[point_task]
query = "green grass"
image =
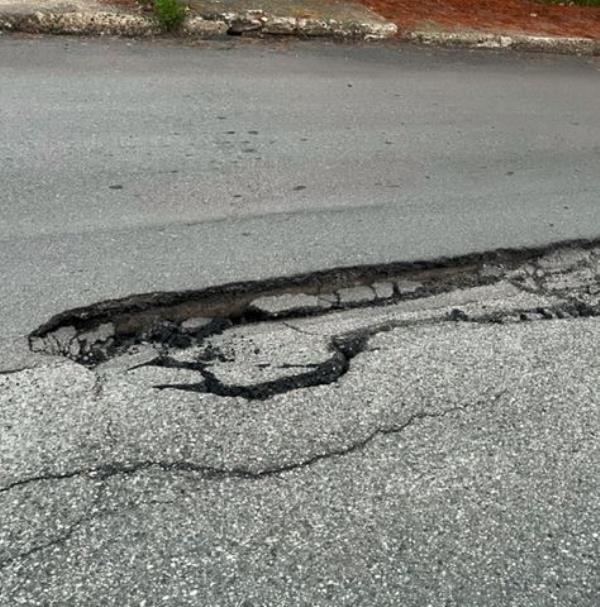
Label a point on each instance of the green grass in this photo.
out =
(170, 13)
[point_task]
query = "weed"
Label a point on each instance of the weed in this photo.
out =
(170, 13)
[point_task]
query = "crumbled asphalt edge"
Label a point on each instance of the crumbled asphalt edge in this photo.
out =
(167, 334)
(156, 318)
(100, 474)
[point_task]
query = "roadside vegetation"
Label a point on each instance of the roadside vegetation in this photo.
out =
(170, 13)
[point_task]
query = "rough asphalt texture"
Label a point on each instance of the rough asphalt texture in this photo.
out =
(453, 463)
(128, 168)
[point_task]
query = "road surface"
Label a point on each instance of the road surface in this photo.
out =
(135, 167)
(400, 435)
(419, 450)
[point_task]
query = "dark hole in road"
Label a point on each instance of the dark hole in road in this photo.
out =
(180, 320)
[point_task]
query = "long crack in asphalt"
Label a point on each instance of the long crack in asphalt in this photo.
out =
(101, 474)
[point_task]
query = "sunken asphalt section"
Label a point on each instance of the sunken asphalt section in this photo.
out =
(424, 437)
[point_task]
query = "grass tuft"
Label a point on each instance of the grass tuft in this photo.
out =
(170, 13)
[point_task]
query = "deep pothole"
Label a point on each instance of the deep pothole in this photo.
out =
(203, 340)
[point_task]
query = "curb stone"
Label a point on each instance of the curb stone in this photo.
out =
(90, 22)
(212, 24)
(220, 23)
(263, 22)
(548, 44)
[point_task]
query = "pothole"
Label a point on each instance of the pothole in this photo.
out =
(214, 340)
(97, 333)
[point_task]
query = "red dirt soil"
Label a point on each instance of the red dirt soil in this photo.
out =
(499, 16)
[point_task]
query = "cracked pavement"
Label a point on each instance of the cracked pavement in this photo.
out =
(388, 410)
(452, 459)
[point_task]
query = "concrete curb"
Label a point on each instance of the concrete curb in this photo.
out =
(214, 24)
(220, 23)
(92, 22)
(547, 44)
(262, 22)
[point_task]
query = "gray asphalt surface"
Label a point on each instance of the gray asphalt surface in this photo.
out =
(446, 464)
(454, 464)
(133, 167)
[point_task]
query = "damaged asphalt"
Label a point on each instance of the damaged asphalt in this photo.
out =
(343, 425)
(457, 464)
(454, 462)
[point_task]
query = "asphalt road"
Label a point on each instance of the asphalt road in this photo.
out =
(432, 448)
(449, 464)
(129, 167)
